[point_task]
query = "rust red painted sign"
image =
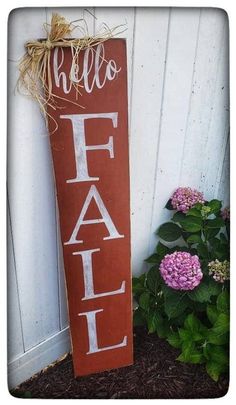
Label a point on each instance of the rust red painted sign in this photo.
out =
(90, 156)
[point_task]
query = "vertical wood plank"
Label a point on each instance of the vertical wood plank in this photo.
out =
(61, 276)
(207, 115)
(14, 327)
(71, 14)
(215, 151)
(183, 34)
(32, 206)
(223, 193)
(148, 73)
(24, 24)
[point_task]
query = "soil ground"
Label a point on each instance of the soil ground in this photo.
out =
(154, 374)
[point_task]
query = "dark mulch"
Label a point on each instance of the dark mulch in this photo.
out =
(155, 374)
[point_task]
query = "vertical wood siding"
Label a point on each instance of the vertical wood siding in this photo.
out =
(179, 135)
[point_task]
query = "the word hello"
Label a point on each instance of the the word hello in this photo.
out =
(89, 74)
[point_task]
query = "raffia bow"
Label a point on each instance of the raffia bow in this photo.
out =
(34, 67)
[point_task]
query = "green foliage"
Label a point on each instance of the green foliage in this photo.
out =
(169, 232)
(196, 322)
(168, 205)
(205, 291)
(175, 305)
(223, 302)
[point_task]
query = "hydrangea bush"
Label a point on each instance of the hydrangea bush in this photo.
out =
(184, 295)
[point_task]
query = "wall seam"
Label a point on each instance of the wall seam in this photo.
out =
(15, 271)
(132, 71)
(190, 99)
(159, 130)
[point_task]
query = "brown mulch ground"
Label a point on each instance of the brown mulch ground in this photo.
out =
(155, 374)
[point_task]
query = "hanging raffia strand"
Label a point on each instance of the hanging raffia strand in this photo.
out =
(35, 73)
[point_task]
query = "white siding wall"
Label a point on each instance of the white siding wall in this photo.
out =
(179, 135)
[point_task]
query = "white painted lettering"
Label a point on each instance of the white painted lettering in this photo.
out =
(106, 219)
(89, 293)
(92, 334)
(80, 146)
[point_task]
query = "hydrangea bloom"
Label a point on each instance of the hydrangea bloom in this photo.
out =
(225, 213)
(181, 270)
(219, 270)
(185, 197)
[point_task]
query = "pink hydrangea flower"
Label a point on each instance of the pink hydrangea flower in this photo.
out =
(225, 213)
(185, 197)
(181, 270)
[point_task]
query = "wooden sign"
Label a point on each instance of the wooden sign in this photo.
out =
(90, 156)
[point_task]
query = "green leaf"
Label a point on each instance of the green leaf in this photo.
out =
(223, 302)
(174, 340)
(185, 335)
(215, 370)
(223, 238)
(211, 233)
(192, 323)
(218, 354)
(139, 317)
(197, 337)
(190, 354)
(161, 250)
(205, 351)
(221, 325)
(212, 313)
(156, 323)
(191, 223)
(195, 238)
(179, 320)
(215, 223)
(194, 212)
(202, 250)
(196, 358)
(144, 300)
(222, 252)
(200, 293)
(198, 206)
(205, 291)
(214, 288)
(137, 286)
(182, 358)
(216, 339)
(175, 305)
(227, 225)
(189, 336)
(163, 329)
(153, 278)
(215, 243)
(178, 217)
(168, 205)
(152, 321)
(152, 259)
(187, 347)
(169, 232)
(215, 206)
(142, 279)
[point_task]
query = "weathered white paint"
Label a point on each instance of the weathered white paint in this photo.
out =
(38, 357)
(179, 135)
